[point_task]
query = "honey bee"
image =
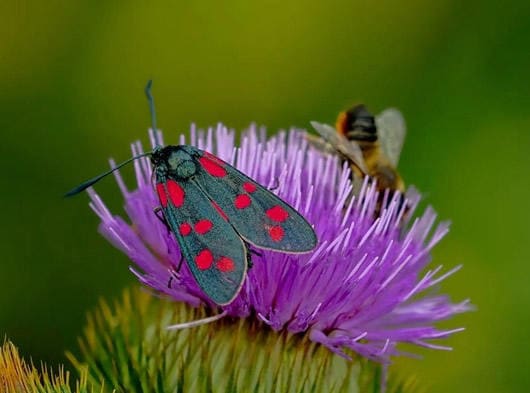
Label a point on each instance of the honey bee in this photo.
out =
(372, 145)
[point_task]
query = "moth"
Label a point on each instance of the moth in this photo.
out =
(215, 212)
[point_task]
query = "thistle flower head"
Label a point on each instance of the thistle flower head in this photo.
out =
(365, 288)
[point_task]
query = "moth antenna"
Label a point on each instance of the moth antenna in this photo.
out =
(198, 322)
(152, 110)
(83, 186)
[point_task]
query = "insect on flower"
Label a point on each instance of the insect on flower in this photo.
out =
(371, 145)
(215, 212)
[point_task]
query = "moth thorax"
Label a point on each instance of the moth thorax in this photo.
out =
(181, 164)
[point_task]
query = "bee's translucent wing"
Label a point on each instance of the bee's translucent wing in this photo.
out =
(338, 142)
(391, 130)
(320, 144)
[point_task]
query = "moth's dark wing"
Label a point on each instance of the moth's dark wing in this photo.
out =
(259, 216)
(391, 130)
(349, 149)
(214, 252)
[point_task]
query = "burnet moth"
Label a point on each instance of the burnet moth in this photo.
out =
(215, 212)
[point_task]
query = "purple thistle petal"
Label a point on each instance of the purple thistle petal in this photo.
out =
(359, 289)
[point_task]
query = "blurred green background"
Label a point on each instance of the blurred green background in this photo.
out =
(71, 96)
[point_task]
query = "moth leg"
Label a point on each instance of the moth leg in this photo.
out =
(153, 179)
(174, 272)
(157, 211)
(276, 184)
(161, 217)
(259, 254)
(250, 251)
(249, 261)
(170, 280)
(180, 263)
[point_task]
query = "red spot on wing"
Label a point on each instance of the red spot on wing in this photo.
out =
(161, 191)
(220, 211)
(277, 213)
(242, 201)
(204, 259)
(176, 193)
(203, 226)
(249, 187)
(276, 233)
(225, 264)
(215, 159)
(185, 229)
(212, 167)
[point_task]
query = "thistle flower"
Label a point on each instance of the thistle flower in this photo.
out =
(126, 347)
(363, 289)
